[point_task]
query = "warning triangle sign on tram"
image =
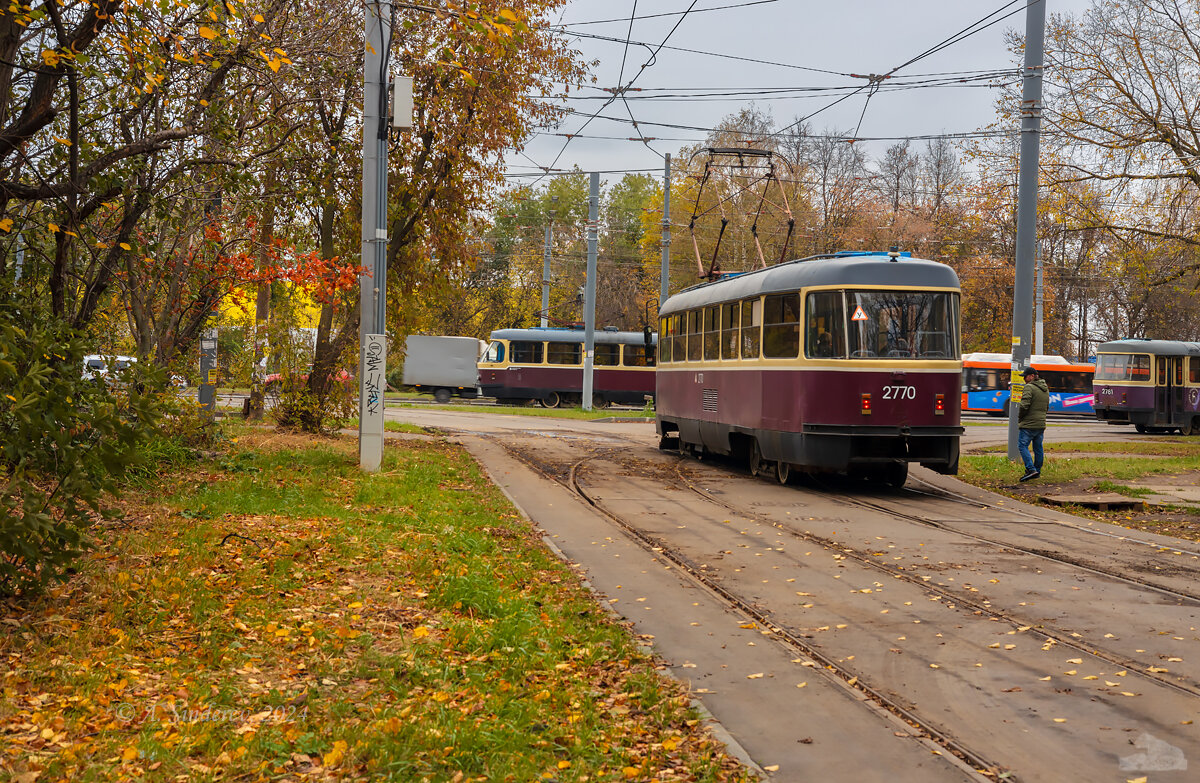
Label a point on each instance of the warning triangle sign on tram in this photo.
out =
(859, 315)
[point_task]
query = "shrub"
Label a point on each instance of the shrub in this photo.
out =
(64, 442)
(298, 407)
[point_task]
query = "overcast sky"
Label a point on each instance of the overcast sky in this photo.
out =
(802, 45)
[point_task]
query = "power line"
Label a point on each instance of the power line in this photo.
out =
(648, 63)
(874, 79)
(668, 13)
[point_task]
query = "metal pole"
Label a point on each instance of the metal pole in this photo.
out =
(1027, 185)
(372, 288)
(589, 295)
(664, 276)
(20, 257)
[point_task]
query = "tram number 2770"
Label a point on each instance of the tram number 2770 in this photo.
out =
(899, 392)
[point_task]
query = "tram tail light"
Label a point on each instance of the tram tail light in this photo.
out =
(939, 404)
(866, 403)
(1124, 396)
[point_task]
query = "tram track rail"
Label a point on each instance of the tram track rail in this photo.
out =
(1059, 636)
(937, 739)
(954, 497)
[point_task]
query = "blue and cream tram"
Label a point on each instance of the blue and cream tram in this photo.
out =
(546, 364)
(1151, 384)
(844, 362)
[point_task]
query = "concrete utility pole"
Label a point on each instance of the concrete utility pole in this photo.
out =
(589, 295)
(1038, 341)
(1027, 187)
(546, 267)
(664, 276)
(373, 287)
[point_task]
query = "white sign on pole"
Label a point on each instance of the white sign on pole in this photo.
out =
(371, 386)
(402, 102)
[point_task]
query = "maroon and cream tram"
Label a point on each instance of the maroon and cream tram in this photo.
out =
(843, 362)
(1151, 384)
(546, 364)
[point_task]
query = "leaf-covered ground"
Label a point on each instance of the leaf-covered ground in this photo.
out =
(277, 615)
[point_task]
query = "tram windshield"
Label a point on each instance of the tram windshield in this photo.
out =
(888, 324)
(494, 353)
(1123, 367)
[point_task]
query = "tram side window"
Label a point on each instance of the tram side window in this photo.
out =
(665, 337)
(564, 353)
(695, 340)
(495, 353)
(639, 356)
(1178, 365)
(781, 326)
(730, 317)
(1162, 371)
(1194, 369)
(524, 352)
(712, 333)
(826, 335)
(751, 327)
(679, 338)
(607, 355)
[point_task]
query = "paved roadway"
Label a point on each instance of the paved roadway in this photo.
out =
(838, 632)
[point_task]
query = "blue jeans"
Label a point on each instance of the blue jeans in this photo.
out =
(1024, 438)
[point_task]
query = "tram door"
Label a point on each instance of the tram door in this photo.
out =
(1178, 401)
(1162, 392)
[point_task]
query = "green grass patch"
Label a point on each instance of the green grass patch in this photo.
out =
(1167, 447)
(532, 410)
(277, 613)
(1122, 489)
(391, 426)
(988, 470)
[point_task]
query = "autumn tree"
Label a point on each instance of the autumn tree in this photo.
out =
(481, 76)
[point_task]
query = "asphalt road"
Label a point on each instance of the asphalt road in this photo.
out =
(839, 632)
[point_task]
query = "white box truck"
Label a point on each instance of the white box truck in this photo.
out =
(443, 366)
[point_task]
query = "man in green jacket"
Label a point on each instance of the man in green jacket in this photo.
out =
(1035, 400)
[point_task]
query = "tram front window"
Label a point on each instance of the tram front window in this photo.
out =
(494, 353)
(902, 324)
(1123, 367)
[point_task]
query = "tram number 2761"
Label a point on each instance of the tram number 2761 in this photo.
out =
(899, 392)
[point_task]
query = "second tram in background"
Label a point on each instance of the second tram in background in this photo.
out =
(1152, 384)
(546, 365)
(986, 377)
(845, 362)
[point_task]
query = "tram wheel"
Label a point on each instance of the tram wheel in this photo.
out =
(1189, 428)
(551, 399)
(783, 472)
(895, 474)
(756, 459)
(598, 402)
(1141, 428)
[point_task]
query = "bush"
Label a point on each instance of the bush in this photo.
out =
(296, 406)
(64, 442)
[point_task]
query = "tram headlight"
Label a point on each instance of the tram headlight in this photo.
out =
(866, 403)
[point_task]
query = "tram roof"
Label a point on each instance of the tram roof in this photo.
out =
(852, 270)
(1158, 347)
(552, 335)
